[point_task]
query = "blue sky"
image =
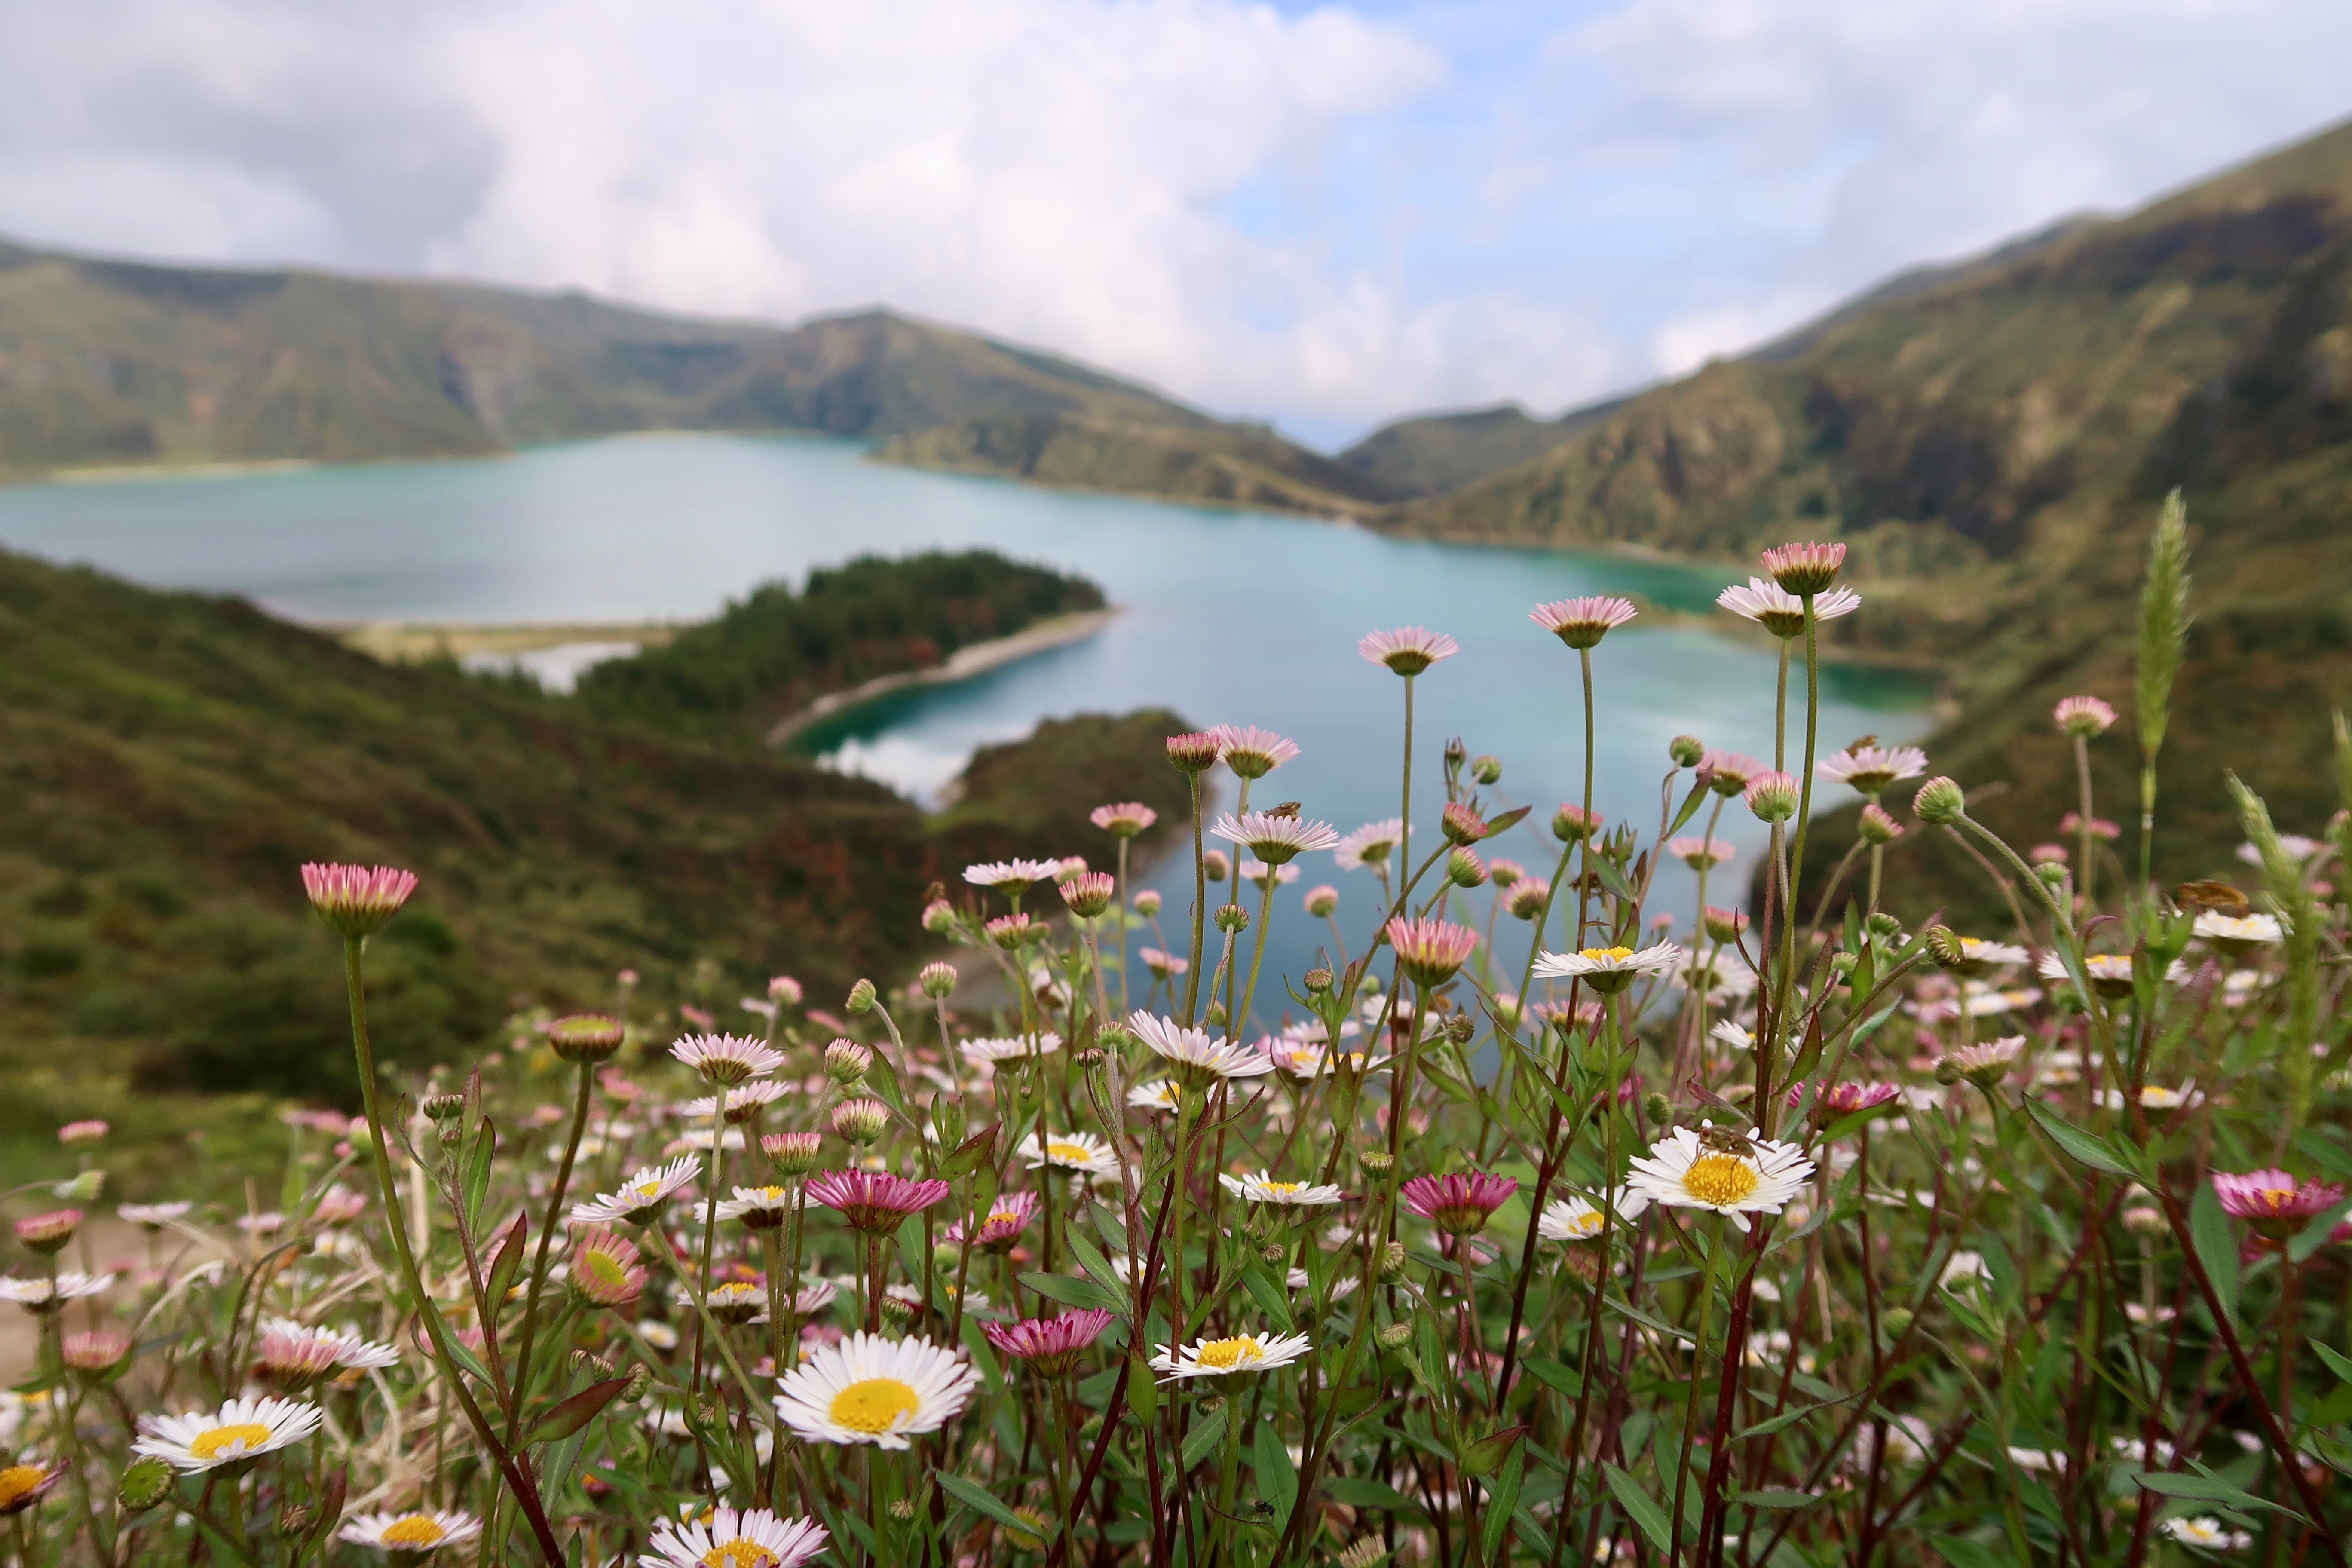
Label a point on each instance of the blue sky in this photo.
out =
(1325, 215)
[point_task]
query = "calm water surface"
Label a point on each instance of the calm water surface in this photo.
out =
(1230, 616)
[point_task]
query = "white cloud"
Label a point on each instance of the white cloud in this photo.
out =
(1690, 340)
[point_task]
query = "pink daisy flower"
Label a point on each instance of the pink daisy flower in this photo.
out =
(1052, 1345)
(1429, 951)
(1407, 650)
(1807, 568)
(1003, 1225)
(2084, 716)
(1249, 752)
(875, 1202)
(356, 900)
(1459, 1204)
(2273, 1201)
(1583, 622)
(1124, 819)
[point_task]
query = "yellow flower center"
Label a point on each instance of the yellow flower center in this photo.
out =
(1281, 1189)
(1069, 1154)
(1719, 1180)
(243, 1434)
(1608, 954)
(647, 1189)
(415, 1532)
(874, 1404)
(1586, 1224)
(2276, 1198)
(1003, 1217)
(18, 1480)
(1227, 1354)
(772, 1195)
(738, 1553)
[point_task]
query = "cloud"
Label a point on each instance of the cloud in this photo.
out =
(1690, 340)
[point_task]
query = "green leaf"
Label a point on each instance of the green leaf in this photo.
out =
(1277, 1479)
(1361, 1491)
(1691, 803)
(1640, 1508)
(2217, 1246)
(1142, 1393)
(2203, 1488)
(980, 1499)
(477, 1172)
(1501, 1501)
(1776, 1498)
(1268, 1296)
(971, 1153)
(2087, 1148)
(1074, 1293)
(2339, 1364)
(570, 1414)
(1097, 1266)
(1961, 1553)
(1486, 1455)
(1554, 1375)
(2315, 1235)
(1204, 1435)
(1789, 1418)
(1497, 825)
(507, 1264)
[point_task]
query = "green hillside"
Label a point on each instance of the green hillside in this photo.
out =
(112, 363)
(170, 759)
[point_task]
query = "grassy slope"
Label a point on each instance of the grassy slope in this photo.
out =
(170, 759)
(106, 362)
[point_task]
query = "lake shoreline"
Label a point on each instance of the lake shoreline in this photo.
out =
(976, 658)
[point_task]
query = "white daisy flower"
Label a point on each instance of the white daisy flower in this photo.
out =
(731, 1301)
(1263, 1188)
(640, 1195)
(240, 1429)
(741, 1101)
(2234, 930)
(727, 1059)
(1341, 1287)
(1967, 1268)
(1609, 969)
(1732, 1035)
(760, 1208)
(1734, 1176)
(1159, 1094)
(1370, 845)
(1977, 955)
(1274, 839)
(1069, 1152)
(726, 1539)
(867, 1389)
(410, 1532)
(154, 1217)
(658, 1334)
(341, 1347)
(1222, 1358)
(41, 1296)
(1199, 1056)
(2208, 1532)
(989, 1052)
(1014, 877)
(1572, 1218)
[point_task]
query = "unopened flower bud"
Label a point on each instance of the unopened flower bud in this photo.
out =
(1573, 825)
(1460, 1028)
(586, 1038)
(938, 917)
(1147, 903)
(1945, 948)
(1883, 926)
(861, 999)
(847, 1062)
(1319, 981)
(641, 1378)
(1090, 893)
(903, 1510)
(1464, 870)
(1322, 901)
(945, 1256)
(1686, 750)
(1949, 1072)
(144, 1485)
(1192, 754)
(1217, 864)
(1940, 801)
(1892, 1321)
(1461, 825)
(2052, 872)
(48, 1233)
(1394, 1336)
(1375, 1162)
(1273, 1252)
(1231, 917)
(1723, 925)
(1089, 1059)
(441, 1107)
(1772, 797)
(1658, 1109)
(937, 980)
(898, 1313)
(1876, 826)
(1215, 1016)
(2142, 1220)
(860, 1121)
(1487, 769)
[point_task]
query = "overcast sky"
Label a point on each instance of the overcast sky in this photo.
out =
(1326, 214)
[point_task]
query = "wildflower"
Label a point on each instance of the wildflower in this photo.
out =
(658, 1334)
(1581, 622)
(2272, 1202)
(758, 1208)
(1069, 1152)
(2239, 934)
(586, 1036)
(1192, 754)
(154, 1217)
(1159, 1094)
(1699, 854)
(2084, 716)
(731, 1301)
(860, 1121)
(48, 1233)
(1732, 1035)
(875, 1202)
(1574, 824)
(640, 1197)
(1527, 897)
(1983, 1064)
(2100, 826)
(2110, 974)
(2203, 1530)
(1429, 951)
(295, 1355)
(1571, 1218)
(1165, 966)
(1731, 770)
(356, 900)
(723, 1538)
(407, 1533)
(1781, 613)
(1201, 1059)
(1147, 903)
(74, 1132)
(1808, 568)
(23, 1485)
(1090, 893)
(1608, 970)
(1722, 925)
(1011, 877)
(1370, 845)
(1846, 1099)
(240, 1429)
(605, 1270)
(867, 1389)
(1772, 797)
(991, 1051)
(794, 1155)
(47, 1296)
(1263, 1188)
(1461, 825)
(1002, 1225)
(1249, 752)
(1407, 650)
(1876, 826)
(1225, 1357)
(1123, 819)
(1733, 1176)
(1940, 802)
(2296, 846)
(726, 1060)
(1870, 769)
(1322, 900)
(1052, 1345)
(1257, 873)
(1010, 932)
(1458, 1204)
(337, 1205)
(1974, 957)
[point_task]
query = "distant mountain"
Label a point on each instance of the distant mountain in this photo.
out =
(1430, 454)
(113, 361)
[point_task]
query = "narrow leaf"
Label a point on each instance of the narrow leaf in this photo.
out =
(1202, 1439)
(2084, 1147)
(2217, 1246)
(980, 1499)
(1641, 1508)
(572, 1414)
(1074, 1293)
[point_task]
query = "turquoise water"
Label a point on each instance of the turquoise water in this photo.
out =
(1229, 616)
